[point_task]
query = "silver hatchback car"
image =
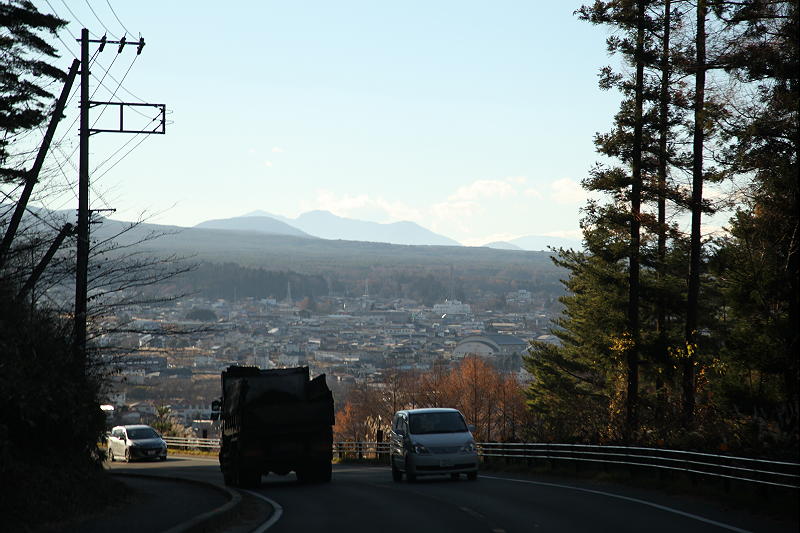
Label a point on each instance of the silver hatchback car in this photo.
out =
(432, 441)
(136, 442)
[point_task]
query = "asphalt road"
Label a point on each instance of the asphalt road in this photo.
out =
(364, 498)
(149, 505)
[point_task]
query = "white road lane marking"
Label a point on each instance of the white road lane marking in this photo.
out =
(472, 512)
(627, 498)
(193, 458)
(274, 517)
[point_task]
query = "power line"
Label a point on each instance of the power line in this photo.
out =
(100, 84)
(114, 94)
(75, 55)
(106, 72)
(124, 156)
(98, 19)
(109, 158)
(73, 16)
(118, 20)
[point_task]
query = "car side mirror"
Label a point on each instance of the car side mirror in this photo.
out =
(216, 405)
(400, 432)
(471, 428)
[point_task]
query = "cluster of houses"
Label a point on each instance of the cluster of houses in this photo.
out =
(357, 343)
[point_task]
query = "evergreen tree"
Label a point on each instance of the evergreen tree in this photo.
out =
(573, 390)
(24, 71)
(757, 266)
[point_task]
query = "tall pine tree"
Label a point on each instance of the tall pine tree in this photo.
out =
(24, 76)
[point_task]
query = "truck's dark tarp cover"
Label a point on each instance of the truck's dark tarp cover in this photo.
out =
(283, 396)
(275, 421)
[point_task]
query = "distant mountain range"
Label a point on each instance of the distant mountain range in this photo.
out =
(535, 243)
(345, 260)
(262, 224)
(326, 225)
(502, 245)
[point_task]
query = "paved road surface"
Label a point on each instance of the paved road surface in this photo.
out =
(149, 505)
(364, 498)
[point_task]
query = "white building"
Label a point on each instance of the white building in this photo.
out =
(452, 307)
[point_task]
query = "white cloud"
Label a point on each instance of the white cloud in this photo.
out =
(267, 163)
(492, 237)
(364, 207)
(277, 149)
(576, 234)
(476, 213)
(483, 189)
(567, 191)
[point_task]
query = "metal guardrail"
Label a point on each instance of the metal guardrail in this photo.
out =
(192, 443)
(361, 450)
(760, 471)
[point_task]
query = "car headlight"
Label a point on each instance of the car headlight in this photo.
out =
(468, 448)
(420, 449)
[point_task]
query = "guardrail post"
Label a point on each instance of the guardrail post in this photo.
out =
(726, 482)
(547, 455)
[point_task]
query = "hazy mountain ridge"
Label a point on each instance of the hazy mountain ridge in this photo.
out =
(541, 243)
(326, 225)
(303, 254)
(501, 245)
(262, 224)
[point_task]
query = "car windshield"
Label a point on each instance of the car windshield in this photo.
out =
(142, 433)
(447, 422)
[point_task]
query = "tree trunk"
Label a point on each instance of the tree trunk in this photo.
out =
(632, 397)
(661, 312)
(693, 297)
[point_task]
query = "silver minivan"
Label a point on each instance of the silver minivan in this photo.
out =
(432, 441)
(136, 442)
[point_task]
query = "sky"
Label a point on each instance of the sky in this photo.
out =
(472, 119)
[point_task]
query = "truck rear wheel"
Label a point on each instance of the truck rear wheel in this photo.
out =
(249, 479)
(319, 471)
(325, 472)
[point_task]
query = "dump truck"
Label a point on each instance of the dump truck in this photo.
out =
(276, 421)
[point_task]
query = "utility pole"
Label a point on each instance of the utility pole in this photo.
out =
(82, 262)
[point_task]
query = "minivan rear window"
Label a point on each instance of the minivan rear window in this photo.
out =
(142, 433)
(446, 422)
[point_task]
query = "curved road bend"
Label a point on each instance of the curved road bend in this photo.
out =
(364, 498)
